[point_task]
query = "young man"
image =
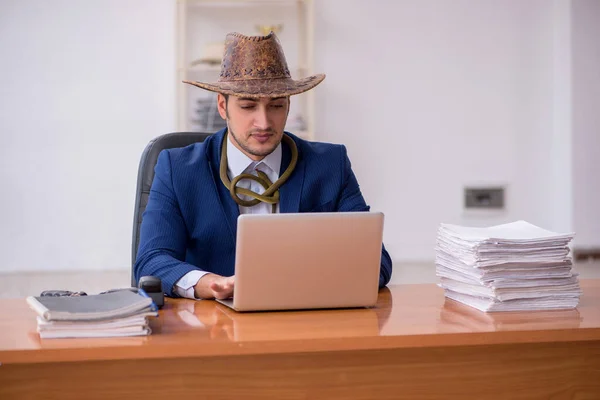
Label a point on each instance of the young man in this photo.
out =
(188, 230)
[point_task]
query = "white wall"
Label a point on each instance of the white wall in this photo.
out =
(85, 85)
(428, 95)
(586, 121)
(432, 95)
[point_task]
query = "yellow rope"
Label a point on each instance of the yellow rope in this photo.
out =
(271, 194)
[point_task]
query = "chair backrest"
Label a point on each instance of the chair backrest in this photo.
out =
(146, 176)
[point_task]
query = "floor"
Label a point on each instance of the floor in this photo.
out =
(33, 283)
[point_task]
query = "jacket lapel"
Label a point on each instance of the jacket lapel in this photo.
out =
(290, 191)
(228, 206)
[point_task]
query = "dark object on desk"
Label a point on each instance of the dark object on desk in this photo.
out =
(146, 175)
(118, 304)
(153, 288)
(61, 293)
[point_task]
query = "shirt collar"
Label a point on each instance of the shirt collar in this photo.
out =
(238, 162)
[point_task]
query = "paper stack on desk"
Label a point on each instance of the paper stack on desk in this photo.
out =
(510, 267)
(117, 313)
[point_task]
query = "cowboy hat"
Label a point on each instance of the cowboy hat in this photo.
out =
(255, 66)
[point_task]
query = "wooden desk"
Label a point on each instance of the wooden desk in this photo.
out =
(414, 345)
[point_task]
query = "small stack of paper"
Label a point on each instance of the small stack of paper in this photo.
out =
(510, 267)
(116, 313)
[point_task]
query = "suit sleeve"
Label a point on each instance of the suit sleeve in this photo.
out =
(351, 199)
(163, 234)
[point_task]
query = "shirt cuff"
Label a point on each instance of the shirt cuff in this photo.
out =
(184, 287)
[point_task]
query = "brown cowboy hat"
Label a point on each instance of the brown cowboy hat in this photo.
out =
(255, 66)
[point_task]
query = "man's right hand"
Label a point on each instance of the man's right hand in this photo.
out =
(213, 286)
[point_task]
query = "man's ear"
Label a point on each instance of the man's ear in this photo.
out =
(222, 106)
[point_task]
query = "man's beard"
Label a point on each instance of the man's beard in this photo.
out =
(247, 149)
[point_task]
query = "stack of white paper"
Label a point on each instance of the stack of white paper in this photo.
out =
(136, 325)
(113, 314)
(510, 267)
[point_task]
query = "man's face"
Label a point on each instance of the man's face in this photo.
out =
(256, 125)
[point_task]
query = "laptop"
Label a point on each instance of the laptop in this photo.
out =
(295, 261)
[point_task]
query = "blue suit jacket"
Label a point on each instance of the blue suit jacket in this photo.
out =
(190, 221)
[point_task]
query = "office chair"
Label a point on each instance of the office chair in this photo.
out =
(146, 175)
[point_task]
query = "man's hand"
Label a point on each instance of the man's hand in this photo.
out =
(222, 287)
(213, 286)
